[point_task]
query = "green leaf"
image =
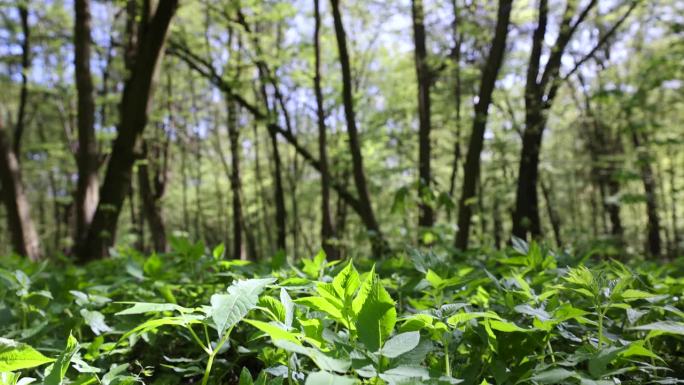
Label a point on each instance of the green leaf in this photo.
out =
(400, 344)
(228, 309)
(60, 367)
(377, 316)
(506, 326)
(325, 378)
(631, 294)
(321, 304)
(96, 321)
(663, 327)
(273, 331)
(16, 355)
(553, 376)
(245, 377)
(347, 281)
(323, 361)
(148, 307)
(288, 305)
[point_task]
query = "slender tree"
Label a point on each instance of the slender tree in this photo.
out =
(424, 77)
(366, 208)
(327, 229)
(471, 168)
(25, 239)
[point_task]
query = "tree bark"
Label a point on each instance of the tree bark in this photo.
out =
(152, 193)
(456, 58)
(424, 79)
(471, 168)
(654, 247)
(235, 188)
(327, 229)
(25, 239)
(134, 110)
(554, 218)
(87, 158)
(367, 214)
(25, 66)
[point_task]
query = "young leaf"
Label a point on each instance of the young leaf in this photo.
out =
(377, 316)
(228, 309)
(59, 368)
(16, 355)
(400, 344)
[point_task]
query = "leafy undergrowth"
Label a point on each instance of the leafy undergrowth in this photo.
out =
(519, 317)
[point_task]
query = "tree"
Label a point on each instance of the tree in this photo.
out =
(327, 229)
(25, 239)
(135, 106)
(471, 168)
(87, 158)
(423, 74)
(366, 209)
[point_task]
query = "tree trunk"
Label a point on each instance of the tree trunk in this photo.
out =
(471, 168)
(278, 194)
(150, 196)
(647, 178)
(366, 212)
(423, 76)
(25, 66)
(457, 91)
(554, 218)
(87, 194)
(540, 90)
(526, 214)
(134, 110)
(234, 140)
(327, 229)
(25, 239)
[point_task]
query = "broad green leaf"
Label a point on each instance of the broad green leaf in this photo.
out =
(96, 321)
(288, 305)
(60, 367)
(506, 326)
(401, 374)
(273, 331)
(321, 304)
(377, 316)
(322, 360)
(245, 377)
(631, 294)
(456, 319)
(325, 378)
(147, 307)
(347, 281)
(16, 355)
(400, 344)
(663, 327)
(228, 309)
(155, 323)
(553, 376)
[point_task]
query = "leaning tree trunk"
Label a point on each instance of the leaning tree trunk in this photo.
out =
(135, 106)
(471, 168)
(25, 239)
(426, 216)
(367, 214)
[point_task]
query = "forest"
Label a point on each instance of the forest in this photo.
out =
(341, 192)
